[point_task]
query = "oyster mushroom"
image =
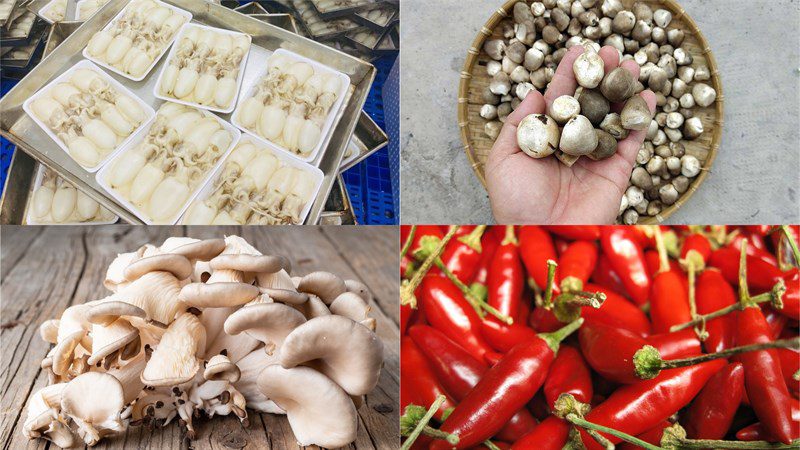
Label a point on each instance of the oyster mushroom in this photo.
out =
(174, 361)
(320, 414)
(251, 366)
(45, 419)
(177, 265)
(353, 307)
(109, 340)
(314, 307)
(324, 285)
(94, 401)
(269, 323)
(355, 366)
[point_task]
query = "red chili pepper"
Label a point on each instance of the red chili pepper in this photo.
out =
(711, 414)
(776, 321)
(756, 432)
(675, 345)
(712, 293)
(419, 385)
(406, 312)
(756, 248)
(616, 311)
(605, 276)
(536, 248)
(791, 298)
(503, 390)
(575, 232)
(504, 337)
(569, 374)
(447, 310)
(652, 436)
(406, 267)
(669, 301)
(551, 434)
(698, 243)
(490, 242)
(761, 275)
(578, 262)
(790, 364)
(639, 407)
(627, 258)
(462, 255)
(764, 381)
(506, 278)
(459, 372)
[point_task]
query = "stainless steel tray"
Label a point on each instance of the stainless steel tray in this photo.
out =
(72, 8)
(369, 138)
(18, 128)
(338, 208)
(285, 21)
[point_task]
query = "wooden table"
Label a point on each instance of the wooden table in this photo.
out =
(46, 269)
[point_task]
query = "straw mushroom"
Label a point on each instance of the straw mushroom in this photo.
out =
(355, 367)
(320, 413)
(578, 137)
(538, 135)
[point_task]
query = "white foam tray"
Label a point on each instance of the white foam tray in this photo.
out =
(239, 79)
(102, 174)
(167, 44)
(122, 90)
(330, 120)
(30, 220)
(208, 189)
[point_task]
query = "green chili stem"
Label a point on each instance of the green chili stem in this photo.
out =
(473, 239)
(688, 444)
(548, 290)
(583, 423)
(424, 423)
(793, 343)
(407, 289)
(792, 244)
(777, 291)
(409, 241)
(477, 303)
(490, 445)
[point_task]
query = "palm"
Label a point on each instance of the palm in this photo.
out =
(527, 190)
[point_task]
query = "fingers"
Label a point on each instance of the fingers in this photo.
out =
(610, 57)
(632, 67)
(628, 148)
(563, 82)
(506, 143)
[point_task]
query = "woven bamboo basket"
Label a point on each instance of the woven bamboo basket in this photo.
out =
(474, 80)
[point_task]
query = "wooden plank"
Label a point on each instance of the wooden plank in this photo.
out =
(14, 242)
(57, 267)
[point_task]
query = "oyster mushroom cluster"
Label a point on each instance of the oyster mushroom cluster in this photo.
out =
(56, 200)
(204, 69)
(159, 175)
(255, 188)
(537, 37)
(290, 105)
(209, 327)
(89, 116)
(131, 43)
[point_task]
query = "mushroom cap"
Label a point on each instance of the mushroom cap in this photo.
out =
(251, 365)
(344, 350)
(359, 288)
(286, 296)
(201, 250)
(48, 331)
(350, 305)
(42, 420)
(312, 308)
(270, 323)
(249, 263)
(108, 339)
(320, 413)
(324, 285)
(219, 367)
(175, 264)
(174, 361)
(107, 312)
(64, 352)
(94, 397)
(115, 273)
(218, 295)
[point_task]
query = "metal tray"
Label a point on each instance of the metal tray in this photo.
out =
(72, 9)
(338, 208)
(4, 20)
(251, 9)
(18, 128)
(285, 21)
(369, 138)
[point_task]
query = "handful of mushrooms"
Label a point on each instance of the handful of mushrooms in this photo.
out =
(208, 327)
(534, 41)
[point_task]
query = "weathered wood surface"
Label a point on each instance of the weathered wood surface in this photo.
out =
(45, 270)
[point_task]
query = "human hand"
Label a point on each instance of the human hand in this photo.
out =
(524, 190)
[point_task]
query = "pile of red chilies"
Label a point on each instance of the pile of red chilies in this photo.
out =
(543, 337)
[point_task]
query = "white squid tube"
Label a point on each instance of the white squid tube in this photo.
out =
(298, 197)
(87, 207)
(278, 188)
(261, 170)
(64, 202)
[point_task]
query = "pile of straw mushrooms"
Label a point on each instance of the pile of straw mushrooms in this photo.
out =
(208, 327)
(536, 37)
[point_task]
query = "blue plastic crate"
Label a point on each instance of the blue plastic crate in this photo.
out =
(6, 148)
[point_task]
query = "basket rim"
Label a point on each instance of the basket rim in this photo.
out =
(678, 14)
